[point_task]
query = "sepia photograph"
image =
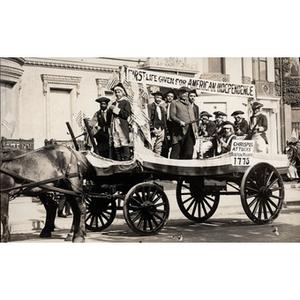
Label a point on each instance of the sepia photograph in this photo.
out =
(151, 146)
(150, 149)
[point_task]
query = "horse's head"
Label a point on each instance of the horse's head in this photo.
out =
(292, 150)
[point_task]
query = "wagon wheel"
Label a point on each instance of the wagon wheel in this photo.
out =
(146, 208)
(100, 212)
(194, 201)
(262, 193)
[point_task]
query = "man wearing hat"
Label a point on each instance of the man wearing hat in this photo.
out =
(226, 138)
(240, 123)
(169, 97)
(158, 123)
(207, 129)
(100, 124)
(184, 127)
(219, 120)
(258, 126)
(121, 110)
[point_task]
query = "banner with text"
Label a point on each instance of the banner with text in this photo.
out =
(204, 85)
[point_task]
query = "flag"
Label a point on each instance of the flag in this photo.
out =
(79, 120)
(9, 123)
(112, 81)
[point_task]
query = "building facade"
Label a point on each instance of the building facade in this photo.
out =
(39, 95)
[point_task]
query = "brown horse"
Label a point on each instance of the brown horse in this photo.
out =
(55, 168)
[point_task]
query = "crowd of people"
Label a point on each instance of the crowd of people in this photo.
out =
(176, 123)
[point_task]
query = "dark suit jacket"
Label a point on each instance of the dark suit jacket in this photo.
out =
(153, 116)
(261, 120)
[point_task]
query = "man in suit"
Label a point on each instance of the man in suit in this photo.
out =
(100, 124)
(192, 98)
(258, 126)
(169, 97)
(184, 129)
(121, 110)
(157, 116)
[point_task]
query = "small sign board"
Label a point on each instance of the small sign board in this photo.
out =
(241, 152)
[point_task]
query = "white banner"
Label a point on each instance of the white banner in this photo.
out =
(204, 85)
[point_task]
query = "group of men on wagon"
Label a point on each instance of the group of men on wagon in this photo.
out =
(176, 123)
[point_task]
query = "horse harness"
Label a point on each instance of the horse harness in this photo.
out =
(28, 183)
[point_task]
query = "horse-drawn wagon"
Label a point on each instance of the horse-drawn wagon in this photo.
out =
(104, 183)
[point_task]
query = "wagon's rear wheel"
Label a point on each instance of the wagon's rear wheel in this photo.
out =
(100, 212)
(195, 201)
(146, 208)
(262, 193)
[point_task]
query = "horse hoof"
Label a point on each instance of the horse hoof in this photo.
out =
(45, 234)
(69, 238)
(78, 239)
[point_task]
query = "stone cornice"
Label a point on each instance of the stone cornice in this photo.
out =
(69, 66)
(10, 74)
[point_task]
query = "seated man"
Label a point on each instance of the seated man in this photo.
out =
(207, 129)
(240, 123)
(226, 138)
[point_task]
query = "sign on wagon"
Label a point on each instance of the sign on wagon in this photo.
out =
(241, 152)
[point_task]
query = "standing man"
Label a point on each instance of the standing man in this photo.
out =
(184, 131)
(100, 124)
(258, 127)
(121, 110)
(192, 98)
(240, 123)
(169, 96)
(158, 123)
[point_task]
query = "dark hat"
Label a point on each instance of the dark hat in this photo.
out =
(119, 85)
(193, 91)
(183, 89)
(219, 113)
(170, 92)
(205, 113)
(237, 112)
(227, 123)
(256, 105)
(102, 99)
(158, 93)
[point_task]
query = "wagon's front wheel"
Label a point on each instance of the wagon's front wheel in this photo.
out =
(146, 208)
(195, 201)
(100, 212)
(262, 193)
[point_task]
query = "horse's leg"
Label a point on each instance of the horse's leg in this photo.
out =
(72, 202)
(79, 211)
(5, 236)
(51, 207)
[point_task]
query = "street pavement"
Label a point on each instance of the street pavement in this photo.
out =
(228, 224)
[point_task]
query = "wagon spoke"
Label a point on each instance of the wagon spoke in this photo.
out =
(252, 202)
(188, 199)
(271, 202)
(272, 183)
(191, 204)
(158, 216)
(206, 202)
(136, 200)
(203, 206)
(265, 211)
(194, 207)
(154, 221)
(255, 206)
(270, 176)
(269, 208)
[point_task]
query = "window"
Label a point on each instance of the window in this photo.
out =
(216, 65)
(259, 68)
